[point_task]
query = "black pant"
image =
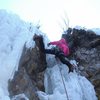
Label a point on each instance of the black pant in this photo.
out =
(61, 56)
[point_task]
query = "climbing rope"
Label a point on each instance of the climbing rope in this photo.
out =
(78, 73)
(64, 84)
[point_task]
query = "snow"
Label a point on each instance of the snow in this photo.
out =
(14, 34)
(19, 97)
(61, 85)
(96, 30)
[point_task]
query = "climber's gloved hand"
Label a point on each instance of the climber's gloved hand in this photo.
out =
(48, 44)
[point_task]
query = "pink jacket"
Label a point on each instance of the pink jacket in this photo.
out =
(63, 45)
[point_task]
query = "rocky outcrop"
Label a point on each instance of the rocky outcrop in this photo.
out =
(85, 49)
(30, 75)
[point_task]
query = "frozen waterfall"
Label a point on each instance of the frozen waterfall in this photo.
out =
(61, 85)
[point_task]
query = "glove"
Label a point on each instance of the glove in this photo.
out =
(48, 44)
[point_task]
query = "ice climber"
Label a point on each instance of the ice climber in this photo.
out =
(61, 51)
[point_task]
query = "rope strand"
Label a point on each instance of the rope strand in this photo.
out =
(64, 84)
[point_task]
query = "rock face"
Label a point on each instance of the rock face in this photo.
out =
(30, 75)
(85, 49)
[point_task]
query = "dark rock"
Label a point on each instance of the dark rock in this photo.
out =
(30, 75)
(85, 47)
(22, 84)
